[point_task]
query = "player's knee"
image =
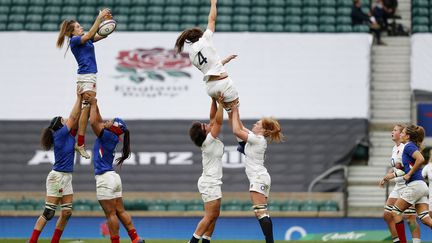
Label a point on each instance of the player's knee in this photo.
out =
(423, 216)
(49, 211)
(260, 210)
(66, 210)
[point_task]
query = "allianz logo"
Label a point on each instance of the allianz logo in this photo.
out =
(231, 158)
(343, 236)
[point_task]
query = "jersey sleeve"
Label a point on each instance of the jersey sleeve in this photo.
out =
(425, 171)
(253, 139)
(75, 41)
(208, 34)
(409, 149)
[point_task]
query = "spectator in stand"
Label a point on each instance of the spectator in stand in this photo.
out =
(390, 6)
(379, 11)
(358, 17)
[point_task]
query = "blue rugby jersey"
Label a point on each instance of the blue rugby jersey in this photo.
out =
(84, 55)
(408, 161)
(64, 151)
(103, 152)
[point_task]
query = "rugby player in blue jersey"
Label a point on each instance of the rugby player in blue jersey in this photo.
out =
(108, 182)
(82, 47)
(60, 135)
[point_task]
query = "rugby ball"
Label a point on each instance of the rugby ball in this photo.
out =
(107, 27)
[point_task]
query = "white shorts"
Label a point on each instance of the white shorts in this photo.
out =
(210, 191)
(430, 202)
(260, 184)
(59, 184)
(86, 82)
(224, 86)
(108, 186)
(416, 192)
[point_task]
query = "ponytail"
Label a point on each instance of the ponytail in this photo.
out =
(189, 36)
(126, 148)
(66, 29)
(47, 140)
(272, 130)
(416, 134)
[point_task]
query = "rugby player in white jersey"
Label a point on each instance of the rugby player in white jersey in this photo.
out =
(209, 184)
(203, 55)
(427, 174)
(396, 173)
(263, 131)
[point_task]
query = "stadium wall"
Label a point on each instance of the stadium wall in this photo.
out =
(290, 76)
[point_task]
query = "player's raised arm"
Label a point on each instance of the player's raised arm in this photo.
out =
(96, 120)
(90, 35)
(211, 25)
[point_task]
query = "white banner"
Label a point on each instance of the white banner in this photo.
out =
(421, 61)
(283, 75)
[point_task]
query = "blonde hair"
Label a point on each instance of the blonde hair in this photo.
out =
(272, 129)
(401, 126)
(66, 29)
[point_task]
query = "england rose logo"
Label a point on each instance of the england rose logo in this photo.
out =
(156, 71)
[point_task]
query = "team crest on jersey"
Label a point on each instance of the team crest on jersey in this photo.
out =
(156, 72)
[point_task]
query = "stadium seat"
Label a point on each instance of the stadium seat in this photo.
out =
(154, 18)
(106, 3)
(194, 207)
(25, 207)
(4, 10)
(310, 3)
(343, 20)
(420, 12)
(294, 3)
(327, 20)
(292, 28)
(191, 2)
(173, 10)
(242, 10)
(420, 3)
(308, 20)
(420, 29)
(276, 19)
(191, 19)
(243, 3)
(137, 3)
(155, 10)
(343, 11)
(35, 10)
(17, 18)
(290, 205)
(420, 20)
(278, 3)
(90, 10)
(258, 19)
(275, 27)
(281, 11)
(153, 26)
(33, 18)
(360, 28)
(205, 10)
(18, 9)
(171, 19)
(157, 207)
(259, 3)
(344, 28)
(240, 19)
(82, 207)
(173, 2)
(258, 11)
(92, 3)
(327, 28)
(122, 10)
(328, 3)
(224, 27)
(52, 9)
(70, 10)
(309, 205)
(191, 10)
(327, 11)
(232, 205)
(312, 11)
(137, 10)
(171, 27)
(258, 27)
(344, 3)
(51, 18)
(7, 207)
(156, 2)
(240, 27)
(223, 19)
(68, 16)
(3, 26)
(21, 2)
(72, 3)
(3, 18)
(293, 20)
(225, 3)
(274, 205)
(309, 28)
(54, 2)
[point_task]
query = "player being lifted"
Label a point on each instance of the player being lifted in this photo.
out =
(204, 57)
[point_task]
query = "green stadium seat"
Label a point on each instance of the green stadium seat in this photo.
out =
(343, 20)
(327, 11)
(259, 10)
(92, 3)
(343, 11)
(278, 3)
(365, 9)
(224, 27)
(106, 3)
(5, 2)
(420, 12)
(122, 3)
(275, 19)
(171, 27)
(34, 10)
(307, 20)
(18, 10)
(243, 3)
(137, 10)
(292, 11)
(153, 26)
(156, 2)
(205, 10)
(70, 10)
(279, 11)
(274, 205)
(327, 28)
(258, 19)
(194, 207)
(258, 27)
(172, 10)
(275, 27)
(4, 10)
(137, 3)
(52, 9)
(240, 19)
(82, 207)
(20, 2)
(290, 205)
(366, 3)
(344, 3)
(309, 208)
(3, 18)
(242, 10)
(344, 28)
(292, 28)
(191, 2)
(155, 10)
(3, 26)
(327, 20)
(36, 2)
(328, 3)
(224, 19)
(361, 28)
(420, 29)
(313, 11)
(72, 3)
(294, 3)
(25, 207)
(225, 3)
(90, 10)
(193, 10)
(17, 18)
(420, 20)
(50, 27)
(150, 18)
(232, 205)
(420, 3)
(176, 207)
(34, 18)
(311, 3)
(171, 19)
(7, 207)
(202, 19)
(120, 18)
(54, 2)
(260, 3)
(309, 28)
(293, 19)
(189, 19)
(69, 16)
(122, 10)
(121, 27)
(52, 18)
(240, 27)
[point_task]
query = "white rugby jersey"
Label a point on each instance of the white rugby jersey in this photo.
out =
(203, 55)
(427, 173)
(255, 148)
(396, 158)
(212, 152)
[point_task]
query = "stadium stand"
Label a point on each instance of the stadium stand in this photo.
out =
(175, 15)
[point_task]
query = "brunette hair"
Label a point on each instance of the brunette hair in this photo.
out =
(191, 35)
(197, 134)
(416, 134)
(66, 29)
(126, 148)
